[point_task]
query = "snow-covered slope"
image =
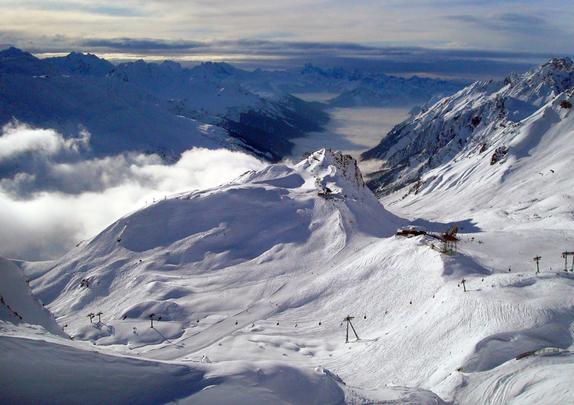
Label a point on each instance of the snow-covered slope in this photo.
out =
(254, 221)
(509, 187)
(521, 175)
(471, 122)
(266, 268)
(34, 371)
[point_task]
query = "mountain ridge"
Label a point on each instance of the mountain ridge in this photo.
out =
(464, 122)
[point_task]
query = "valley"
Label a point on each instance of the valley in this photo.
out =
(351, 130)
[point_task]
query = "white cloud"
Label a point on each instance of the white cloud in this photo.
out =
(48, 209)
(18, 139)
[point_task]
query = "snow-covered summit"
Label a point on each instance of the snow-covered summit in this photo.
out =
(332, 174)
(335, 171)
(465, 122)
(539, 85)
(77, 63)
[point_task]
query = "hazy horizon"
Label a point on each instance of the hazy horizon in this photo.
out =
(447, 38)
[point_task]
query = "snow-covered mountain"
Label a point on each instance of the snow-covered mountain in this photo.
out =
(479, 122)
(76, 63)
(148, 107)
(253, 279)
(352, 88)
(386, 90)
(119, 116)
(214, 93)
(228, 242)
(16, 61)
(166, 108)
(519, 173)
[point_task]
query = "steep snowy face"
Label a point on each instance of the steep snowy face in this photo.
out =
(336, 172)
(465, 122)
(520, 175)
(539, 85)
(18, 307)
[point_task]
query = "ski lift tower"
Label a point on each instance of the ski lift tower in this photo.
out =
(348, 320)
(537, 260)
(565, 256)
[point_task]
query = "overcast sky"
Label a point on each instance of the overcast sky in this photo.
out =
(268, 30)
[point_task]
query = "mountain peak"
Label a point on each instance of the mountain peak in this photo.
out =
(14, 60)
(564, 64)
(78, 63)
(218, 68)
(12, 52)
(334, 170)
(81, 55)
(334, 72)
(310, 68)
(556, 75)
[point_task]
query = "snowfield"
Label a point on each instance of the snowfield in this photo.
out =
(253, 279)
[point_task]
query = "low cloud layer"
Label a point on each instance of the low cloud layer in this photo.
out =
(17, 140)
(51, 196)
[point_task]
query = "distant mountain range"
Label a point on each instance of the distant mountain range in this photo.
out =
(166, 108)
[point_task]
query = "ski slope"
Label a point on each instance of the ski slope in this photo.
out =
(265, 268)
